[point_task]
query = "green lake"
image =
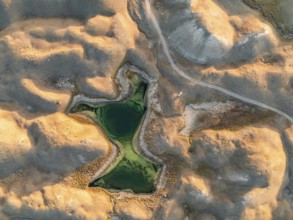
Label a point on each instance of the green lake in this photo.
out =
(121, 122)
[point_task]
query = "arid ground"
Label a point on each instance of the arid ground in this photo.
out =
(218, 108)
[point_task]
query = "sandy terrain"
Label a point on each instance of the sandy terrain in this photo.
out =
(222, 158)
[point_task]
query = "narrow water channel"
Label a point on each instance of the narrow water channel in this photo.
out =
(121, 122)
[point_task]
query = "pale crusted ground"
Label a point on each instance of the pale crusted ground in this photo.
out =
(224, 159)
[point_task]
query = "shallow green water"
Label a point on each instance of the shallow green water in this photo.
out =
(121, 122)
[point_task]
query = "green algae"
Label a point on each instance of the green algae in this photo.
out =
(121, 122)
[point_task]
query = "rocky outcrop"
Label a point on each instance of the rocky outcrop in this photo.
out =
(62, 144)
(234, 173)
(210, 36)
(57, 202)
(15, 10)
(15, 145)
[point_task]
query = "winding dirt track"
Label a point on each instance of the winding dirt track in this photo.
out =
(204, 84)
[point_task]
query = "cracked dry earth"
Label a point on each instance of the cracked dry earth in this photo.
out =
(222, 158)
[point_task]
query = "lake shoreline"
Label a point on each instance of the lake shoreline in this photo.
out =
(139, 144)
